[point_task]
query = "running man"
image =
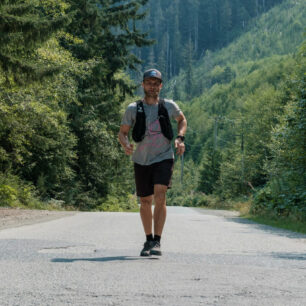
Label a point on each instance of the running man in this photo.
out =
(154, 157)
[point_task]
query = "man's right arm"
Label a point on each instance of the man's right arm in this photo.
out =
(124, 140)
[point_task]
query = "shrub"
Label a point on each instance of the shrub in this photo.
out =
(8, 196)
(284, 203)
(15, 192)
(116, 203)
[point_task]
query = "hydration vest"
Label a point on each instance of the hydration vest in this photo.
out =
(139, 129)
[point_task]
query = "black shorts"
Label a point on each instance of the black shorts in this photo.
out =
(148, 176)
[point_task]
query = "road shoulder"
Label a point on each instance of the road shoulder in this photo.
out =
(219, 212)
(12, 217)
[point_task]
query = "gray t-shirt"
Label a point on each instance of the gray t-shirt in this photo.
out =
(155, 147)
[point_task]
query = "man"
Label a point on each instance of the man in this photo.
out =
(153, 158)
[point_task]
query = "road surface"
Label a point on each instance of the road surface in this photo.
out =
(209, 258)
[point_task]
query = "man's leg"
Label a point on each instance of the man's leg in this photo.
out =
(146, 213)
(160, 212)
(146, 217)
(160, 209)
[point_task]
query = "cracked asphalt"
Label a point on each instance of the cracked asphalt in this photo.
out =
(209, 258)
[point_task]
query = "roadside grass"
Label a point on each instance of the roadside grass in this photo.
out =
(134, 210)
(288, 223)
(284, 223)
(243, 206)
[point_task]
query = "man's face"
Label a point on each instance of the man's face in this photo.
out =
(152, 87)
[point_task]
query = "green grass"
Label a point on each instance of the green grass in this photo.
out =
(284, 223)
(244, 206)
(288, 223)
(134, 210)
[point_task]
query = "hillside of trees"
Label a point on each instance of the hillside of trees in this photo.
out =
(185, 29)
(237, 69)
(246, 115)
(278, 32)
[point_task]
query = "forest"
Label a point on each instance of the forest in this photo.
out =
(236, 68)
(185, 30)
(246, 115)
(62, 85)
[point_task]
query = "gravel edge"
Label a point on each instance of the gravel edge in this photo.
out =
(14, 217)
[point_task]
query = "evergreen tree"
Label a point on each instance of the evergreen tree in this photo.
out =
(105, 31)
(209, 172)
(162, 56)
(176, 42)
(151, 60)
(188, 59)
(176, 94)
(225, 22)
(24, 27)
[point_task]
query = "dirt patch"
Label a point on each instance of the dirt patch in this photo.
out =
(12, 217)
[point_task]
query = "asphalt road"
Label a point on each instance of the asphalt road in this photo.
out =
(210, 258)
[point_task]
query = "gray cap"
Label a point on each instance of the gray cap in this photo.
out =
(152, 73)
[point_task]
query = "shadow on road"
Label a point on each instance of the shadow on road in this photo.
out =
(103, 259)
(289, 256)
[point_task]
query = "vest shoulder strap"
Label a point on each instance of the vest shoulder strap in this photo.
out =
(140, 124)
(161, 103)
(139, 106)
(164, 120)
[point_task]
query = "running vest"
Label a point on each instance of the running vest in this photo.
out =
(139, 129)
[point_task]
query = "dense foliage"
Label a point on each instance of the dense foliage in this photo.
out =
(285, 192)
(62, 85)
(238, 68)
(24, 26)
(244, 104)
(246, 123)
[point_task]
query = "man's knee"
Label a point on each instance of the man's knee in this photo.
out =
(160, 199)
(146, 201)
(160, 194)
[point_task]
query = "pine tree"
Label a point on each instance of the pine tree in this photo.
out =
(106, 31)
(176, 45)
(225, 21)
(209, 172)
(23, 28)
(151, 59)
(176, 94)
(162, 57)
(189, 58)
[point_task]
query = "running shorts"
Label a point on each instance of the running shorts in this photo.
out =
(147, 176)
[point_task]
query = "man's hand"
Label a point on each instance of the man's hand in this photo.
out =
(124, 141)
(180, 146)
(129, 148)
(181, 129)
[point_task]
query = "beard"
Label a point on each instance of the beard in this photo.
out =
(152, 93)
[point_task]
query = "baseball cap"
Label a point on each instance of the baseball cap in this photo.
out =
(152, 73)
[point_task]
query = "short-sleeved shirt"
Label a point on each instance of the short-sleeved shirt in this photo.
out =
(155, 147)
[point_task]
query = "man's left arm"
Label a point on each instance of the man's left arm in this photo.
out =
(181, 130)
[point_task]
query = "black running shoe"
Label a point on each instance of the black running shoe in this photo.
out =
(155, 248)
(146, 248)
